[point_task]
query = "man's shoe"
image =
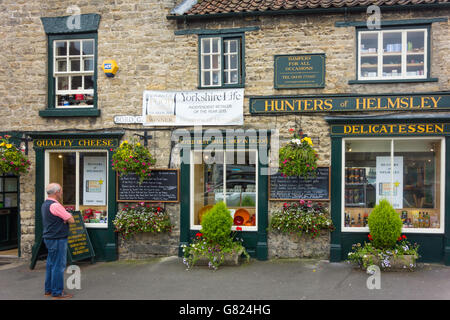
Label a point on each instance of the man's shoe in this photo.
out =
(63, 295)
(47, 294)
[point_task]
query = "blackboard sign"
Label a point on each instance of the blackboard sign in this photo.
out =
(78, 243)
(299, 71)
(297, 188)
(161, 186)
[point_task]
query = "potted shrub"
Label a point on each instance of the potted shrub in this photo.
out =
(133, 158)
(215, 244)
(142, 218)
(387, 248)
(298, 157)
(12, 159)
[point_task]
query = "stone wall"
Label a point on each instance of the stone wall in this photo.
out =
(141, 39)
(294, 246)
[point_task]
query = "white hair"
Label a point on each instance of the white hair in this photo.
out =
(52, 188)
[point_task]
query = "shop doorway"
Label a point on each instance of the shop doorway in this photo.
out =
(9, 216)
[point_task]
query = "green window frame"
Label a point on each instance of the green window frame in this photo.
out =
(221, 61)
(388, 60)
(52, 108)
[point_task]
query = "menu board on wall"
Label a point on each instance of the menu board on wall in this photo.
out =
(94, 181)
(298, 188)
(384, 187)
(161, 186)
(78, 242)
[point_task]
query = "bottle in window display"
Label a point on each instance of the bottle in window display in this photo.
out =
(347, 220)
(352, 224)
(420, 220)
(359, 220)
(366, 219)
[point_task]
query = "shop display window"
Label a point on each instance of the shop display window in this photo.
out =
(392, 54)
(8, 192)
(407, 172)
(83, 176)
(229, 177)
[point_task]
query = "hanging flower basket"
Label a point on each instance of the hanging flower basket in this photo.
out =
(133, 158)
(12, 159)
(298, 157)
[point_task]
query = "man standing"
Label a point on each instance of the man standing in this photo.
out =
(56, 230)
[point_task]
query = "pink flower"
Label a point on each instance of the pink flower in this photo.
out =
(302, 202)
(143, 163)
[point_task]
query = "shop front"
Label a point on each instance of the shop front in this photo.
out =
(81, 164)
(232, 170)
(399, 157)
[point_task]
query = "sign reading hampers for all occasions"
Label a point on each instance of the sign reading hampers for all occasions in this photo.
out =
(206, 107)
(299, 71)
(78, 242)
(161, 186)
(299, 188)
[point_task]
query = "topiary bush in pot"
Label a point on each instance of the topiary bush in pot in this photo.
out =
(217, 223)
(385, 225)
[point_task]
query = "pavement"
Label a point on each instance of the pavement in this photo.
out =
(282, 279)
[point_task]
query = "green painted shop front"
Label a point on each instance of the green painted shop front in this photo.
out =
(102, 236)
(254, 236)
(434, 246)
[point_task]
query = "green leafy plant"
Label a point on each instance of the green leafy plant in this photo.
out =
(12, 159)
(247, 201)
(385, 225)
(215, 239)
(298, 157)
(133, 158)
(140, 218)
(304, 217)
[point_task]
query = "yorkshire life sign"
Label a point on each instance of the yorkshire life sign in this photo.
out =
(186, 108)
(346, 103)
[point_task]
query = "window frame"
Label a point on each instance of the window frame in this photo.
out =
(441, 228)
(52, 109)
(191, 188)
(77, 179)
(241, 60)
(403, 78)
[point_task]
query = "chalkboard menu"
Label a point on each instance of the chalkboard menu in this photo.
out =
(297, 188)
(78, 243)
(161, 186)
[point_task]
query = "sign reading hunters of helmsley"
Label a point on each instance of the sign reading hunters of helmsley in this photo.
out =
(344, 103)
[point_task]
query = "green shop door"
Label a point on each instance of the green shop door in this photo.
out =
(9, 212)
(80, 163)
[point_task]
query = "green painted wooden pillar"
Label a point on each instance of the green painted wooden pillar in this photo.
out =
(336, 174)
(262, 250)
(184, 206)
(447, 206)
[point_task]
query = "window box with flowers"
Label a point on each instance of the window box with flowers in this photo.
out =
(298, 157)
(299, 230)
(12, 159)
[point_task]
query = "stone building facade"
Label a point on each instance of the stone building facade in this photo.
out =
(157, 49)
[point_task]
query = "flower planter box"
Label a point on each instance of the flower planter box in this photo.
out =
(282, 245)
(401, 263)
(231, 259)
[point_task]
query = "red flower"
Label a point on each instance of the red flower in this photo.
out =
(403, 237)
(158, 209)
(198, 234)
(291, 130)
(370, 237)
(238, 229)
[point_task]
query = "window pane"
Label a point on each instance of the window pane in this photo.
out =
(88, 47)
(62, 83)
(392, 42)
(241, 186)
(61, 48)
(207, 62)
(206, 47)
(364, 173)
(234, 77)
(62, 171)
(77, 83)
(369, 54)
(74, 48)
(93, 186)
(88, 64)
(215, 79)
(416, 53)
(61, 65)
(419, 168)
(233, 61)
(206, 78)
(74, 64)
(208, 183)
(215, 45)
(88, 82)
(215, 61)
(233, 46)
